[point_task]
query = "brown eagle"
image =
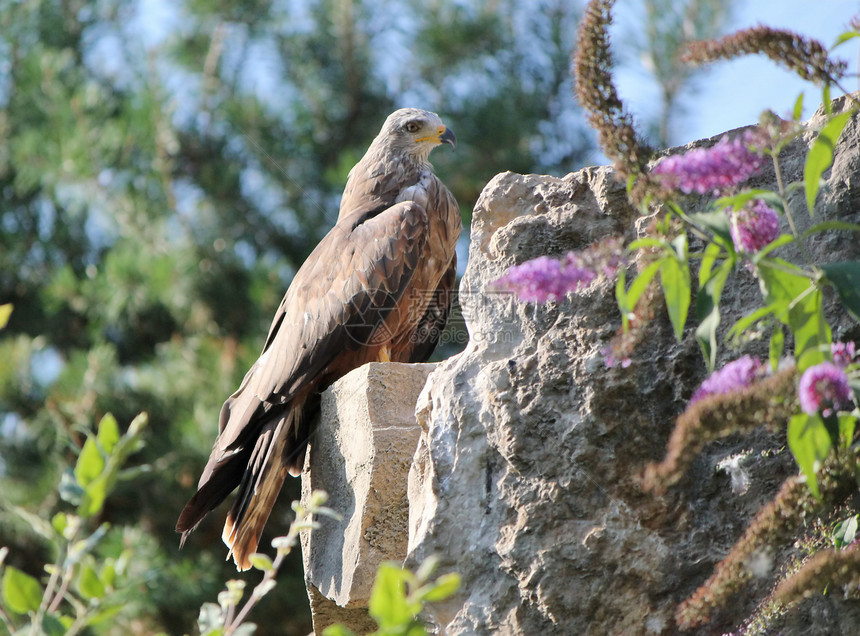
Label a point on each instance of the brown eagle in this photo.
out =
(376, 288)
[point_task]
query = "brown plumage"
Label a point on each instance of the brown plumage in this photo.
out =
(376, 288)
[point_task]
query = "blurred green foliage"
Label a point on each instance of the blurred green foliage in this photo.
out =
(87, 582)
(165, 167)
(398, 598)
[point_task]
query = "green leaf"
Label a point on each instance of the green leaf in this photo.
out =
(675, 280)
(797, 304)
(70, 490)
(845, 37)
(79, 549)
(261, 561)
(426, 569)
(621, 298)
(104, 614)
(645, 242)
(708, 310)
(798, 108)
(831, 225)
(782, 239)
(37, 523)
(718, 224)
(96, 492)
(108, 574)
(749, 320)
(709, 257)
(59, 522)
(845, 532)
(777, 344)
(108, 434)
(210, 621)
(5, 312)
(21, 592)
(388, 603)
(53, 626)
(737, 201)
(444, 587)
(640, 284)
(845, 278)
(89, 584)
(94, 497)
(90, 463)
(338, 630)
(825, 99)
(809, 443)
(821, 156)
(847, 423)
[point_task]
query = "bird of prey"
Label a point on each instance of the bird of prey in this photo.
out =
(376, 288)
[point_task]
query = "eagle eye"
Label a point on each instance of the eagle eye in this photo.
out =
(412, 126)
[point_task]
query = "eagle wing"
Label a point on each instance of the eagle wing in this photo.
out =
(325, 326)
(362, 295)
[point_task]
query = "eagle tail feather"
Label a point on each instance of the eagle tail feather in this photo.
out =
(223, 474)
(270, 462)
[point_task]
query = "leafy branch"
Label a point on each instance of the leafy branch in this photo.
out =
(226, 618)
(77, 580)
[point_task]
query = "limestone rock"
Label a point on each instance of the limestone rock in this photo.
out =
(525, 477)
(360, 455)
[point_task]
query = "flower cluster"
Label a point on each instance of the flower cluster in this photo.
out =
(775, 523)
(824, 387)
(805, 56)
(770, 401)
(844, 353)
(712, 170)
(732, 377)
(545, 278)
(595, 90)
(754, 226)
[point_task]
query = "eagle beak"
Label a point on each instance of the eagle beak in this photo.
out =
(447, 137)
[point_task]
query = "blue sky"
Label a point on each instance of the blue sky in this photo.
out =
(731, 94)
(734, 93)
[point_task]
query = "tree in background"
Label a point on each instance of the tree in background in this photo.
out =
(164, 170)
(669, 26)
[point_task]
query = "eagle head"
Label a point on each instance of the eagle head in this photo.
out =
(415, 132)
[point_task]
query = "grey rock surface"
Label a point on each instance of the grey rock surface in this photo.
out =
(525, 479)
(360, 456)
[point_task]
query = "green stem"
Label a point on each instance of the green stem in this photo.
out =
(50, 601)
(799, 298)
(258, 593)
(781, 186)
(7, 622)
(694, 227)
(64, 586)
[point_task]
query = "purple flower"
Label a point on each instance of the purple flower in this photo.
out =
(610, 360)
(546, 278)
(823, 388)
(843, 353)
(711, 170)
(754, 226)
(732, 377)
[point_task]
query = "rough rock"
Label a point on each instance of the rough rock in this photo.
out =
(360, 455)
(525, 480)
